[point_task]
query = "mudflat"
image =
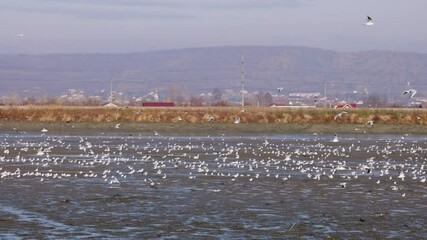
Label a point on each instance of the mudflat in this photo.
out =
(211, 128)
(212, 186)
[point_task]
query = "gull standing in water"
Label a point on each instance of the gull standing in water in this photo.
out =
(335, 138)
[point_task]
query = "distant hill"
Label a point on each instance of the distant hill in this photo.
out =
(296, 69)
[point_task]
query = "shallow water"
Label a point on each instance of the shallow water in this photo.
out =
(212, 187)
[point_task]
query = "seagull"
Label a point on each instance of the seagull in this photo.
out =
(44, 130)
(401, 175)
(156, 133)
(411, 92)
(335, 138)
(117, 125)
(279, 89)
(236, 120)
(369, 21)
(211, 118)
(40, 152)
(339, 115)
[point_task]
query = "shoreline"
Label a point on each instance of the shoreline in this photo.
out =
(212, 128)
(192, 120)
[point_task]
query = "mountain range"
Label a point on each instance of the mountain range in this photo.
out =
(196, 70)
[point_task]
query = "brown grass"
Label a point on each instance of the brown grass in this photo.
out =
(220, 114)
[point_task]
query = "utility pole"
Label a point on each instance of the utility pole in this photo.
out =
(111, 100)
(324, 94)
(243, 82)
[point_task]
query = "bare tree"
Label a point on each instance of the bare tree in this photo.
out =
(12, 99)
(264, 98)
(216, 95)
(176, 93)
(376, 100)
(268, 98)
(196, 101)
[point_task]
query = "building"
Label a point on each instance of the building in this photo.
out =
(276, 105)
(346, 105)
(158, 104)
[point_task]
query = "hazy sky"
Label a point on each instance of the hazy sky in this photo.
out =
(80, 26)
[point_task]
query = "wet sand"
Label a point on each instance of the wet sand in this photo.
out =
(232, 186)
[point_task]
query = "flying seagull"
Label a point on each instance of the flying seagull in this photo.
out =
(411, 92)
(369, 21)
(339, 115)
(279, 89)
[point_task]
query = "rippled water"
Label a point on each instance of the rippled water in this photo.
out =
(212, 187)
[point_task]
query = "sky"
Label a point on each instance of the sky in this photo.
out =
(122, 26)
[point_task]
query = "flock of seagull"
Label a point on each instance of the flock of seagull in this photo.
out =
(155, 159)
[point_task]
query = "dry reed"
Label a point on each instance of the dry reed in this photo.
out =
(219, 114)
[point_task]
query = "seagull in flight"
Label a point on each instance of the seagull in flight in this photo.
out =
(339, 115)
(411, 92)
(279, 89)
(369, 21)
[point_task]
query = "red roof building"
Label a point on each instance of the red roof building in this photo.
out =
(158, 104)
(347, 105)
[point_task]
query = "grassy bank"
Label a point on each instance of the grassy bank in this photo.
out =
(182, 119)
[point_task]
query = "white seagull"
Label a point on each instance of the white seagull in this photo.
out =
(236, 120)
(210, 118)
(370, 123)
(335, 138)
(369, 21)
(411, 92)
(279, 89)
(44, 130)
(339, 115)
